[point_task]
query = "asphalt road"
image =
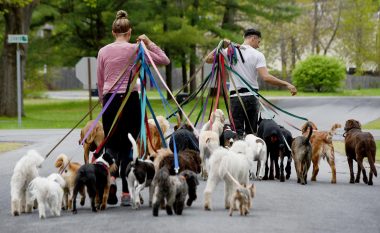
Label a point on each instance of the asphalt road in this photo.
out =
(279, 207)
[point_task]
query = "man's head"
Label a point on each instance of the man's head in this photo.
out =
(252, 37)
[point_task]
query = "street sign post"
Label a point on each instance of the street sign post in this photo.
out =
(18, 39)
(85, 71)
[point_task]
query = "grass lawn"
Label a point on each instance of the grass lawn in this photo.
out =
(339, 147)
(8, 146)
(373, 124)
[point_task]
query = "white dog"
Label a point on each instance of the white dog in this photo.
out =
(217, 119)
(259, 154)
(48, 191)
(237, 161)
(208, 142)
(24, 172)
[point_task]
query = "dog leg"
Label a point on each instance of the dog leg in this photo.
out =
(288, 168)
(271, 170)
(282, 176)
(360, 164)
(333, 171)
(16, 207)
(315, 169)
(156, 200)
(103, 206)
(82, 192)
(357, 180)
(227, 195)
(137, 194)
(350, 165)
(41, 208)
(210, 186)
(370, 177)
(86, 148)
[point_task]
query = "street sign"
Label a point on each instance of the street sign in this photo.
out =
(86, 69)
(17, 38)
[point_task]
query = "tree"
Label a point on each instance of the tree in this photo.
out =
(17, 18)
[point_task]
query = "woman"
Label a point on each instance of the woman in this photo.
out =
(112, 59)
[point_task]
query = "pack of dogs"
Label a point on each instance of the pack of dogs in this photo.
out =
(217, 155)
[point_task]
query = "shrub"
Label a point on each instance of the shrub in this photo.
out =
(319, 73)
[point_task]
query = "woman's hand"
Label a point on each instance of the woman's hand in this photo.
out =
(292, 89)
(145, 39)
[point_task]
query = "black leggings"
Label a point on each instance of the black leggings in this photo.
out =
(118, 145)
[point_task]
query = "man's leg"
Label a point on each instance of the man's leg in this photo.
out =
(252, 107)
(238, 116)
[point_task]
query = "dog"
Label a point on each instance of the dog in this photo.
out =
(259, 154)
(275, 140)
(286, 153)
(154, 141)
(301, 152)
(172, 189)
(187, 160)
(237, 161)
(323, 147)
(358, 145)
(139, 174)
(216, 122)
(68, 170)
(24, 172)
(96, 178)
(208, 142)
(227, 137)
(94, 139)
(184, 137)
(48, 191)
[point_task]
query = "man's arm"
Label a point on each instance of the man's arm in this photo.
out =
(268, 78)
(210, 56)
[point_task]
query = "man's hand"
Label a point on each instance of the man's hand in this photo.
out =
(292, 89)
(226, 43)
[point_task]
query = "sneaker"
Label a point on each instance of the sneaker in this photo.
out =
(125, 200)
(112, 198)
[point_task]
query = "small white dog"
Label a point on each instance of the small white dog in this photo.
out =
(48, 191)
(259, 154)
(24, 172)
(237, 161)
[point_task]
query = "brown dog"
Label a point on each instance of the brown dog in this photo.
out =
(359, 145)
(68, 170)
(93, 140)
(323, 147)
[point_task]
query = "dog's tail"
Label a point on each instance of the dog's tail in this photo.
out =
(134, 147)
(310, 132)
(58, 179)
(260, 145)
(61, 161)
(332, 131)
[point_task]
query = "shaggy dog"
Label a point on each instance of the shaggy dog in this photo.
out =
(301, 152)
(323, 147)
(24, 172)
(237, 161)
(68, 170)
(216, 122)
(172, 189)
(93, 140)
(259, 154)
(228, 136)
(48, 191)
(187, 160)
(96, 177)
(359, 145)
(276, 141)
(208, 142)
(139, 174)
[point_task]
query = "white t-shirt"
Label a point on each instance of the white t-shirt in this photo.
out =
(253, 59)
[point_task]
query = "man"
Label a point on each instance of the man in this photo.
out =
(250, 65)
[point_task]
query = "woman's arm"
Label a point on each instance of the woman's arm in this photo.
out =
(158, 55)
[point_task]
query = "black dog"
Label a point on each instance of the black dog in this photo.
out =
(286, 153)
(274, 136)
(96, 177)
(184, 138)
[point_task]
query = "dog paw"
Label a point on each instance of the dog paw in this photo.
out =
(81, 202)
(313, 179)
(16, 213)
(357, 180)
(333, 181)
(282, 178)
(365, 180)
(370, 182)
(271, 177)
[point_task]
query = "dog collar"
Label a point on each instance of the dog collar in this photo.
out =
(102, 161)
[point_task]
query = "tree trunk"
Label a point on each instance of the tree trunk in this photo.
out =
(228, 16)
(17, 21)
(168, 68)
(283, 56)
(184, 71)
(193, 49)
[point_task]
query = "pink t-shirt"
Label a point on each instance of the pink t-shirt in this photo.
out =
(113, 58)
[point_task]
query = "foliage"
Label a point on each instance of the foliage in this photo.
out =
(319, 73)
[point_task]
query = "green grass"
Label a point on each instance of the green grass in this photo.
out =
(339, 147)
(373, 124)
(8, 146)
(363, 92)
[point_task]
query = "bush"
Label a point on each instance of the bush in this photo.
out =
(319, 73)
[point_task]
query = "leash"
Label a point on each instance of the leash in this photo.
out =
(175, 154)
